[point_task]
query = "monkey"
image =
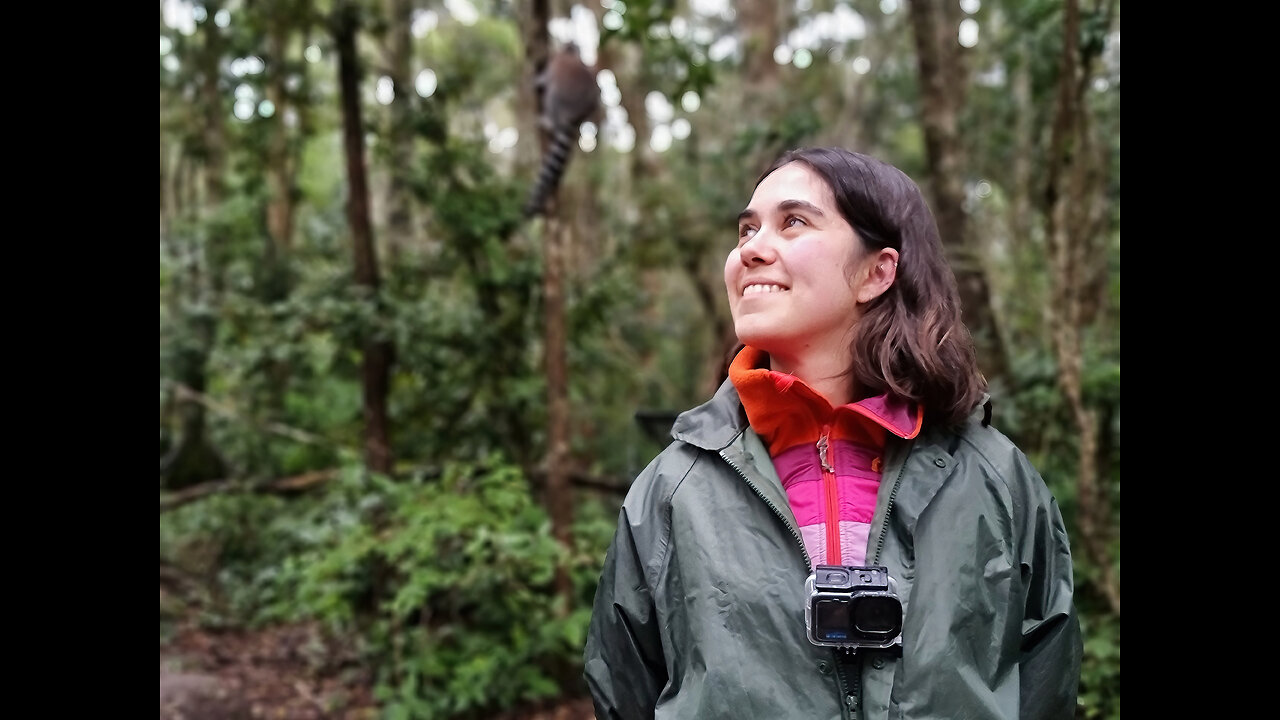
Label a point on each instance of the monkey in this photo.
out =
(568, 96)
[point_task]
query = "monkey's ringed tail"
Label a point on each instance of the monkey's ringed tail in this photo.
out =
(552, 170)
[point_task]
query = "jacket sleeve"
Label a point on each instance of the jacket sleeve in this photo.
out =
(1049, 670)
(623, 661)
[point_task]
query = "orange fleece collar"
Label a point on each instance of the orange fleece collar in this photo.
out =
(785, 411)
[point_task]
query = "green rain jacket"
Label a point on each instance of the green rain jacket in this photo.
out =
(699, 612)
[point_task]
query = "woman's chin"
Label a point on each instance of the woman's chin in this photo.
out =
(759, 337)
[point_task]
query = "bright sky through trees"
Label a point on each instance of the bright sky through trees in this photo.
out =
(813, 32)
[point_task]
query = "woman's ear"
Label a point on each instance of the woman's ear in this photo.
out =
(882, 270)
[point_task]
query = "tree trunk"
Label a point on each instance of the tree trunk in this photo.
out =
(537, 51)
(280, 205)
(758, 20)
(1021, 287)
(1021, 208)
(559, 494)
(193, 459)
(376, 370)
(1069, 197)
(399, 197)
(861, 113)
(275, 279)
(943, 78)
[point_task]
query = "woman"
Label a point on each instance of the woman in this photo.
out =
(853, 430)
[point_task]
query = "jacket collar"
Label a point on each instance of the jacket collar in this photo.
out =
(714, 424)
(773, 400)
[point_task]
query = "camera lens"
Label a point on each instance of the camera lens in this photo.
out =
(880, 616)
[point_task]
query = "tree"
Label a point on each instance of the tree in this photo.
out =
(399, 230)
(192, 458)
(377, 351)
(943, 81)
(1075, 224)
(558, 493)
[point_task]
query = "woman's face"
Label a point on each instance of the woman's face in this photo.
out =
(793, 280)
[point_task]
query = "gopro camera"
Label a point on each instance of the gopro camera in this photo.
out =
(853, 607)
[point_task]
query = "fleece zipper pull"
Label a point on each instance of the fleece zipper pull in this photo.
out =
(830, 498)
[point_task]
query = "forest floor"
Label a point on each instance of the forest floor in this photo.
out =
(281, 673)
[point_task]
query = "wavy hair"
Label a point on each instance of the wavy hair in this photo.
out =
(911, 339)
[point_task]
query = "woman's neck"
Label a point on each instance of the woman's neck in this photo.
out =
(827, 373)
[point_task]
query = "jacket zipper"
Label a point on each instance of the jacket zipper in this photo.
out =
(794, 534)
(888, 510)
(849, 688)
(831, 498)
(855, 682)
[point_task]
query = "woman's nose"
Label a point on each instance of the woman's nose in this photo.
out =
(757, 250)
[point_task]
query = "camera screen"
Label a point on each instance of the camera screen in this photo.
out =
(877, 616)
(831, 620)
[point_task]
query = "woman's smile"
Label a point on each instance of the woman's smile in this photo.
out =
(762, 289)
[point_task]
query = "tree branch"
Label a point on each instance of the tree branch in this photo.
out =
(315, 478)
(292, 484)
(185, 392)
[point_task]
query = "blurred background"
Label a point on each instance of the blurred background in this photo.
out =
(397, 418)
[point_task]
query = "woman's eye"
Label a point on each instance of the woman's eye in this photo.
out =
(793, 221)
(746, 231)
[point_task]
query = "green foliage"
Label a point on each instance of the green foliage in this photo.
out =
(673, 65)
(1100, 674)
(449, 580)
(472, 62)
(1039, 421)
(320, 173)
(236, 543)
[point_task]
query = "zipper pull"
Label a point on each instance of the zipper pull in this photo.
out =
(824, 450)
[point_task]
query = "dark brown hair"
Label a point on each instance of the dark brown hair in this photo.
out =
(911, 339)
